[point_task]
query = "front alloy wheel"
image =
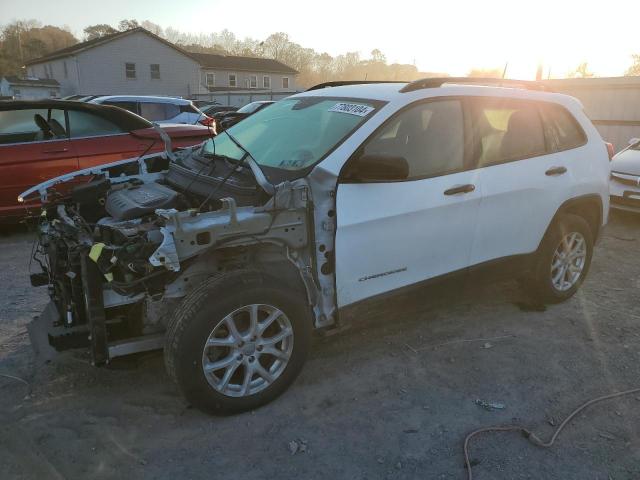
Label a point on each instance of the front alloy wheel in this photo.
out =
(238, 340)
(248, 350)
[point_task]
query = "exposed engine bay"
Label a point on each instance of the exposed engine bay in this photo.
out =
(118, 249)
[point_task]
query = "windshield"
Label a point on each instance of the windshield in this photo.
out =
(293, 134)
(250, 107)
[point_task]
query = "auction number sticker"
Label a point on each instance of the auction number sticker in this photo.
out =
(352, 109)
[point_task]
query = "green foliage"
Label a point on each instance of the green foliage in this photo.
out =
(581, 71)
(634, 69)
(23, 40)
(96, 31)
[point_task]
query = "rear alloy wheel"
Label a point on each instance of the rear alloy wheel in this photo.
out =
(562, 261)
(238, 341)
(568, 261)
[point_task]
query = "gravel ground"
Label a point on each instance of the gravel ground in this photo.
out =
(392, 399)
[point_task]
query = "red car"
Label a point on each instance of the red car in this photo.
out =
(46, 138)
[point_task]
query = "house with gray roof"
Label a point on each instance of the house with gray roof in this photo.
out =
(28, 88)
(138, 62)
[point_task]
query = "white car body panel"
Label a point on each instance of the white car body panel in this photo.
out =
(624, 183)
(382, 242)
(390, 235)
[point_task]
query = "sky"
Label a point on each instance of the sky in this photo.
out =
(451, 36)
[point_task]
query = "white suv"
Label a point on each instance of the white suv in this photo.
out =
(231, 253)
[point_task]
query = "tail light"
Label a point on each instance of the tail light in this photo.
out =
(207, 121)
(610, 150)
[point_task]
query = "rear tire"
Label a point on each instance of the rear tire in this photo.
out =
(238, 341)
(562, 261)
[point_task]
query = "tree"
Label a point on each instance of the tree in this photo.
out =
(634, 69)
(377, 56)
(125, 25)
(152, 27)
(275, 46)
(24, 40)
(581, 71)
(97, 31)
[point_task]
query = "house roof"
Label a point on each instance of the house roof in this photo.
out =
(231, 62)
(206, 60)
(32, 81)
(79, 47)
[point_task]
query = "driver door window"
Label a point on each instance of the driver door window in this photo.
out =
(429, 136)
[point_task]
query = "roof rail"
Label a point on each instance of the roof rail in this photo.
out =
(341, 83)
(490, 82)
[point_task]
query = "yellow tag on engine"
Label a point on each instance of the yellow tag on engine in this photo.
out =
(96, 251)
(109, 277)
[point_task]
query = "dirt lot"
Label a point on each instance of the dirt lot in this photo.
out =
(392, 400)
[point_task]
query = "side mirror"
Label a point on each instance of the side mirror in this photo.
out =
(377, 167)
(633, 141)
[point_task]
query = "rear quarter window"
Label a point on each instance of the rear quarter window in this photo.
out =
(562, 130)
(86, 124)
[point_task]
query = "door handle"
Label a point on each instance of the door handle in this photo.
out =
(59, 150)
(555, 171)
(460, 189)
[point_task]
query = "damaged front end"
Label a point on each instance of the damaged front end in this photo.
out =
(120, 244)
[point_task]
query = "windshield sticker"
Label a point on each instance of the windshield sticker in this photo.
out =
(352, 109)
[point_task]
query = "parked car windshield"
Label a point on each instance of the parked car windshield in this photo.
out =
(293, 134)
(250, 107)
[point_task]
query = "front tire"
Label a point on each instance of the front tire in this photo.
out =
(562, 261)
(238, 341)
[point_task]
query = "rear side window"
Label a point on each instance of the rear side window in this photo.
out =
(506, 130)
(562, 130)
(429, 136)
(158, 111)
(131, 106)
(188, 109)
(84, 124)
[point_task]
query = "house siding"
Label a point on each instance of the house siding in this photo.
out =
(101, 69)
(55, 69)
(242, 77)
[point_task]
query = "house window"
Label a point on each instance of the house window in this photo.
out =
(53, 93)
(254, 81)
(155, 71)
(285, 82)
(130, 70)
(232, 80)
(211, 79)
(17, 93)
(66, 72)
(266, 81)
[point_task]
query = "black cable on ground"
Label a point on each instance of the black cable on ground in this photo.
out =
(532, 437)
